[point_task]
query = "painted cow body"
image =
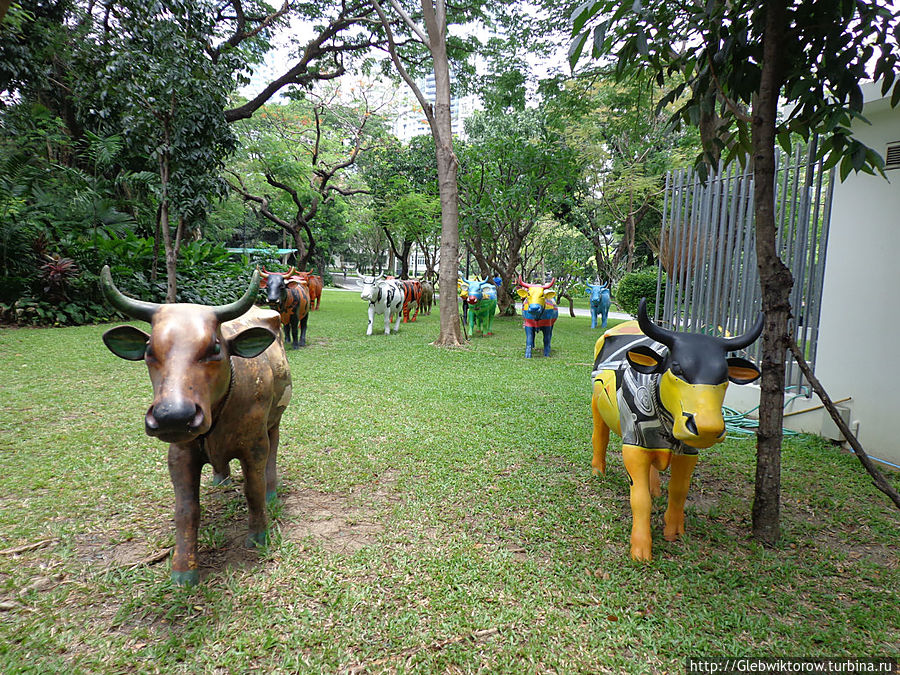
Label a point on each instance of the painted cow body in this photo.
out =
(221, 382)
(539, 312)
(481, 297)
(315, 285)
(427, 296)
(662, 392)
(385, 296)
(412, 290)
(600, 302)
(289, 296)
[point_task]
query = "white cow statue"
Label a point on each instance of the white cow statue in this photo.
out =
(386, 297)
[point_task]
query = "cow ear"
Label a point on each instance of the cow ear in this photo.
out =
(126, 342)
(251, 342)
(523, 292)
(644, 360)
(742, 371)
(549, 295)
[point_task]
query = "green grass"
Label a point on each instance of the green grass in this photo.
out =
(427, 495)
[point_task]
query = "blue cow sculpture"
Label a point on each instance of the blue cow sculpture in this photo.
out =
(600, 301)
(539, 311)
(481, 297)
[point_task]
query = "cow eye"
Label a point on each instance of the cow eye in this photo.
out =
(214, 351)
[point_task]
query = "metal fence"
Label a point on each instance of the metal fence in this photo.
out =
(708, 249)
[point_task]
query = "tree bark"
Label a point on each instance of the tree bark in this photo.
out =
(775, 281)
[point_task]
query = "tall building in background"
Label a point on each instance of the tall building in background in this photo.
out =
(411, 120)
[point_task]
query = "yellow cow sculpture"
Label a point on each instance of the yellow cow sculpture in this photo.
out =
(662, 392)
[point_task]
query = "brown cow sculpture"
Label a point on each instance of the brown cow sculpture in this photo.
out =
(221, 382)
(315, 285)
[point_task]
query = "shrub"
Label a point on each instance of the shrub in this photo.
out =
(637, 285)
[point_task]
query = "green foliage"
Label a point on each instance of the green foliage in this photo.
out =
(638, 285)
(827, 49)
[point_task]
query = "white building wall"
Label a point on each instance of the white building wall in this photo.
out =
(860, 326)
(859, 332)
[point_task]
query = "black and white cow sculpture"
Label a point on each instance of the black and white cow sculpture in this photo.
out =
(385, 296)
(662, 392)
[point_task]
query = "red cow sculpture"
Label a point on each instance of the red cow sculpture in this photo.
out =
(221, 382)
(289, 296)
(315, 285)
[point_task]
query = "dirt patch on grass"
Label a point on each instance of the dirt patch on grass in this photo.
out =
(342, 523)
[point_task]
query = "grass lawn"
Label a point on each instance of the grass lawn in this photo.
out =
(437, 514)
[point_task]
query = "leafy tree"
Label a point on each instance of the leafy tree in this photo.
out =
(403, 186)
(515, 171)
(737, 60)
(305, 151)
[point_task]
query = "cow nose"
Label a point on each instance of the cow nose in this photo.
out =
(168, 416)
(472, 300)
(534, 307)
(691, 424)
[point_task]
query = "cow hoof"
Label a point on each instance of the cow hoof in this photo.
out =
(302, 343)
(527, 353)
(296, 345)
(547, 353)
(271, 497)
(256, 539)
(642, 552)
(186, 578)
(488, 334)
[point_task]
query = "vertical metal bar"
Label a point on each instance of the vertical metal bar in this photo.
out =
(711, 249)
(662, 238)
(739, 262)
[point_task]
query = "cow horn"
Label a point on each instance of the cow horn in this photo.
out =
(265, 275)
(741, 341)
(290, 272)
(520, 282)
(136, 309)
(238, 307)
(546, 286)
(650, 329)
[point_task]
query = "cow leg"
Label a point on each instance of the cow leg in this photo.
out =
(371, 318)
(295, 320)
(387, 320)
(221, 474)
(397, 324)
(185, 464)
(638, 462)
(548, 335)
(655, 484)
(529, 341)
(489, 321)
(254, 467)
(473, 316)
(271, 471)
(679, 483)
(593, 318)
(599, 439)
(605, 317)
(303, 323)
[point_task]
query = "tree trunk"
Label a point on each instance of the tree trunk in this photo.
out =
(775, 281)
(171, 254)
(447, 165)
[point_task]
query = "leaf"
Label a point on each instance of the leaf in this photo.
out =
(846, 167)
(784, 140)
(599, 37)
(582, 14)
(642, 46)
(575, 49)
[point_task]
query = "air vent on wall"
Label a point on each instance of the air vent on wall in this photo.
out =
(892, 156)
